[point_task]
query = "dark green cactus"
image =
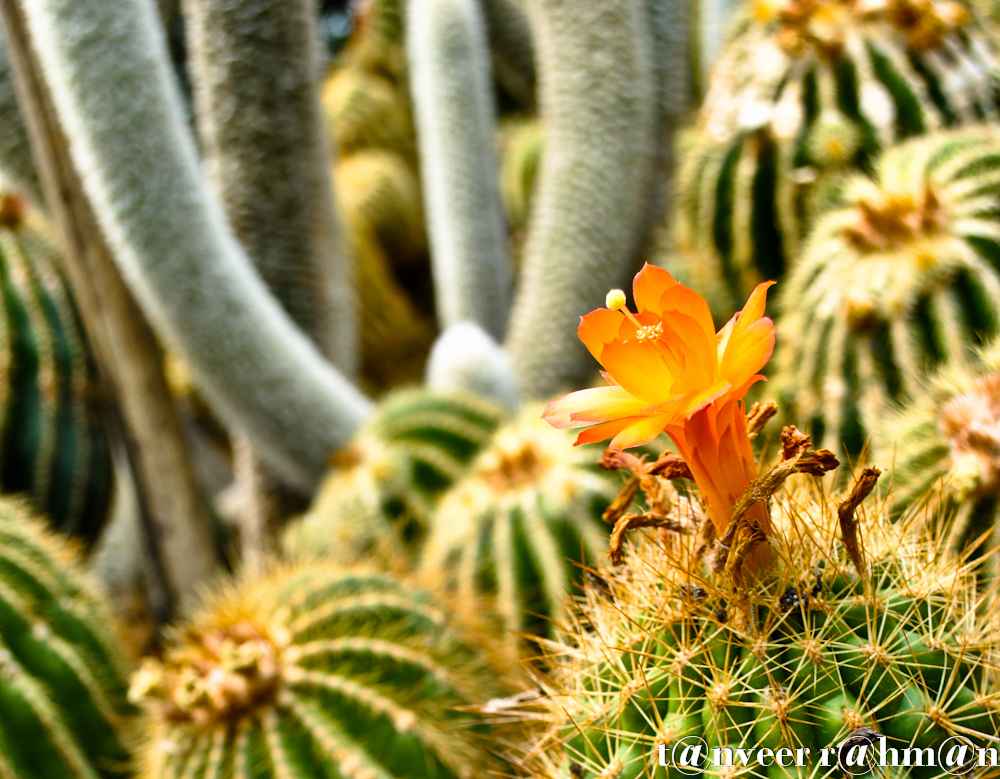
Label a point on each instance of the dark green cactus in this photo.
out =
(801, 658)
(902, 280)
(314, 672)
(511, 537)
(809, 89)
(63, 707)
(53, 445)
(384, 485)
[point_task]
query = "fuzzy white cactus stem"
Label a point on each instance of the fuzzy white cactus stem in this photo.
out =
(597, 104)
(17, 166)
(456, 126)
(106, 65)
(255, 68)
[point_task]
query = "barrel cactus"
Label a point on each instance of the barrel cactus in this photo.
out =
(511, 538)
(900, 281)
(313, 671)
(380, 494)
(54, 446)
(63, 677)
(944, 448)
(805, 91)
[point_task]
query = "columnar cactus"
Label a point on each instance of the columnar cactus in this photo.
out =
(510, 538)
(313, 671)
(456, 125)
(63, 706)
(255, 70)
(17, 165)
(902, 279)
(384, 485)
(809, 89)
(597, 99)
(810, 654)
(944, 446)
(54, 446)
(106, 66)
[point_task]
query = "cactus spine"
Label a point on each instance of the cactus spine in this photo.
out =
(805, 91)
(52, 440)
(382, 489)
(138, 166)
(596, 96)
(509, 539)
(944, 448)
(456, 127)
(313, 671)
(63, 710)
(902, 279)
(255, 69)
(803, 658)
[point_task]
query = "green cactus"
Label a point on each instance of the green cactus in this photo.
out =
(313, 671)
(799, 659)
(255, 71)
(63, 707)
(380, 495)
(805, 91)
(106, 66)
(456, 125)
(598, 108)
(511, 537)
(901, 280)
(365, 111)
(53, 445)
(944, 446)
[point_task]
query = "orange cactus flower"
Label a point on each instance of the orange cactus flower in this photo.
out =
(669, 371)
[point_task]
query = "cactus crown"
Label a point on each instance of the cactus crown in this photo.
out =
(312, 666)
(970, 423)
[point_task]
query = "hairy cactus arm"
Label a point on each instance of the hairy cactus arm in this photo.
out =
(106, 65)
(456, 128)
(17, 167)
(465, 359)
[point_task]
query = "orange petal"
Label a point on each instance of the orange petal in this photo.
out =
(641, 368)
(641, 431)
(686, 301)
(754, 308)
(648, 285)
(699, 400)
(748, 351)
(585, 407)
(599, 328)
(603, 432)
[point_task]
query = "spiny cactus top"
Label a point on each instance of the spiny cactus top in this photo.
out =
(385, 483)
(54, 446)
(668, 371)
(666, 653)
(902, 279)
(945, 447)
(313, 671)
(510, 537)
(806, 90)
(63, 710)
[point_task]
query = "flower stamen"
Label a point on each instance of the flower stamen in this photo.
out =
(615, 300)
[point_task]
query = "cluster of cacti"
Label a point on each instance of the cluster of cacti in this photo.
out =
(902, 279)
(63, 680)
(944, 446)
(512, 537)
(810, 653)
(380, 494)
(313, 671)
(53, 444)
(805, 91)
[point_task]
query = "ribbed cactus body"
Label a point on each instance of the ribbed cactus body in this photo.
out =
(944, 448)
(805, 91)
(63, 710)
(901, 280)
(366, 111)
(310, 672)
(383, 487)
(52, 441)
(802, 658)
(511, 537)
